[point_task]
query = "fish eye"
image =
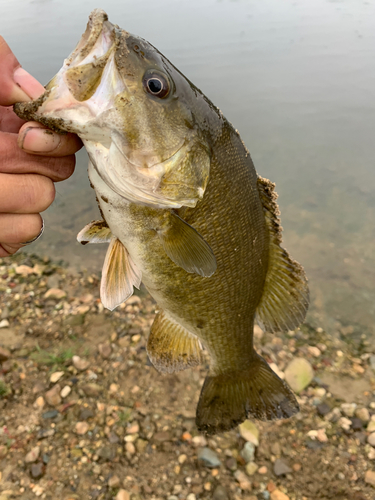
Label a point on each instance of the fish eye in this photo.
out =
(156, 84)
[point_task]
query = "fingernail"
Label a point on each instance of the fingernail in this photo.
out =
(40, 140)
(27, 83)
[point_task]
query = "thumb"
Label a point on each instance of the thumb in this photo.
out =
(15, 83)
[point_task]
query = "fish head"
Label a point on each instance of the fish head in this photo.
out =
(130, 106)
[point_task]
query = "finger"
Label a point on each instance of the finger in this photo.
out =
(17, 229)
(25, 193)
(14, 160)
(9, 121)
(15, 83)
(34, 138)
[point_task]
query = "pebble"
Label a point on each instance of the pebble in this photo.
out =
(65, 391)
(371, 426)
(39, 403)
(251, 468)
(323, 409)
(263, 470)
(348, 409)
(130, 448)
(4, 354)
(299, 374)
(371, 439)
(249, 432)
(314, 351)
(191, 496)
(122, 495)
(280, 468)
(220, 493)
(55, 377)
(231, 464)
(370, 477)
(243, 480)
(345, 423)
(105, 350)
(114, 481)
(50, 414)
(37, 470)
(248, 451)
(81, 428)
(55, 293)
(4, 323)
(33, 455)
(209, 458)
(363, 414)
(92, 390)
(372, 362)
(279, 495)
(80, 364)
(53, 395)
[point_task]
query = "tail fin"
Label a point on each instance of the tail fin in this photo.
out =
(228, 399)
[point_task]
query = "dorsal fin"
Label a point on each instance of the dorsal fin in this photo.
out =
(171, 347)
(285, 296)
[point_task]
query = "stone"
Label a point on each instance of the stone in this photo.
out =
(55, 377)
(80, 364)
(209, 458)
(348, 409)
(33, 455)
(105, 350)
(65, 391)
(231, 464)
(263, 470)
(122, 495)
(345, 423)
(3, 451)
(114, 481)
(50, 414)
(220, 493)
(363, 414)
(371, 439)
(37, 470)
(4, 354)
(314, 351)
(243, 480)
(280, 468)
(45, 433)
(55, 294)
(81, 428)
(299, 374)
(191, 496)
(372, 362)
(370, 477)
(141, 445)
(53, 396)
(4, 323)
(251, 468)
(92, 390)
(248, 451)
(279, 495)
(371, 426)
(39, 403)
(323, 409)
(249, 432)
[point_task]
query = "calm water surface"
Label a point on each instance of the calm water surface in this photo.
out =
(297, 78)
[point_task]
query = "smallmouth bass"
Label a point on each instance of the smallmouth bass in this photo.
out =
(185, 212)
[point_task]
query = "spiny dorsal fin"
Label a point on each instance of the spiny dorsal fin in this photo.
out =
(171, 347)
(119, 276)
(285, 296)
(95, 232)
(186, 247)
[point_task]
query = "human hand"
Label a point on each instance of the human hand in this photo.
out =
(32, 158)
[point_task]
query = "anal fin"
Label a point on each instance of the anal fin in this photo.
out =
(285, 298)
(171, 347)
(119, 276)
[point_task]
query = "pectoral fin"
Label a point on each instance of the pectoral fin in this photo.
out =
(186, 247)
(95, 232)
(119, 276)
(171, 347)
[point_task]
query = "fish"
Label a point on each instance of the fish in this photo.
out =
(185, 213)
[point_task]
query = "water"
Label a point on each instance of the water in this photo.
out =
(298, 81)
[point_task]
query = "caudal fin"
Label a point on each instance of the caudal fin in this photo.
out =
(227, 400)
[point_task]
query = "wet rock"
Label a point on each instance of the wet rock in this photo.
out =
(81, 428)
(33, 455)
(55, 377)
(370, 477)
(105, 350)
(279, 495)
(92, 390)
(251, 468)
(52, 396)
(55, 294)
(249, 432)
(80, 364)
(209, 458)
(122, 495)
(4, 354)
(299, 374)
(363, 414)
(37, 470)
(248, 451)
(280, 468)
(371, 439)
